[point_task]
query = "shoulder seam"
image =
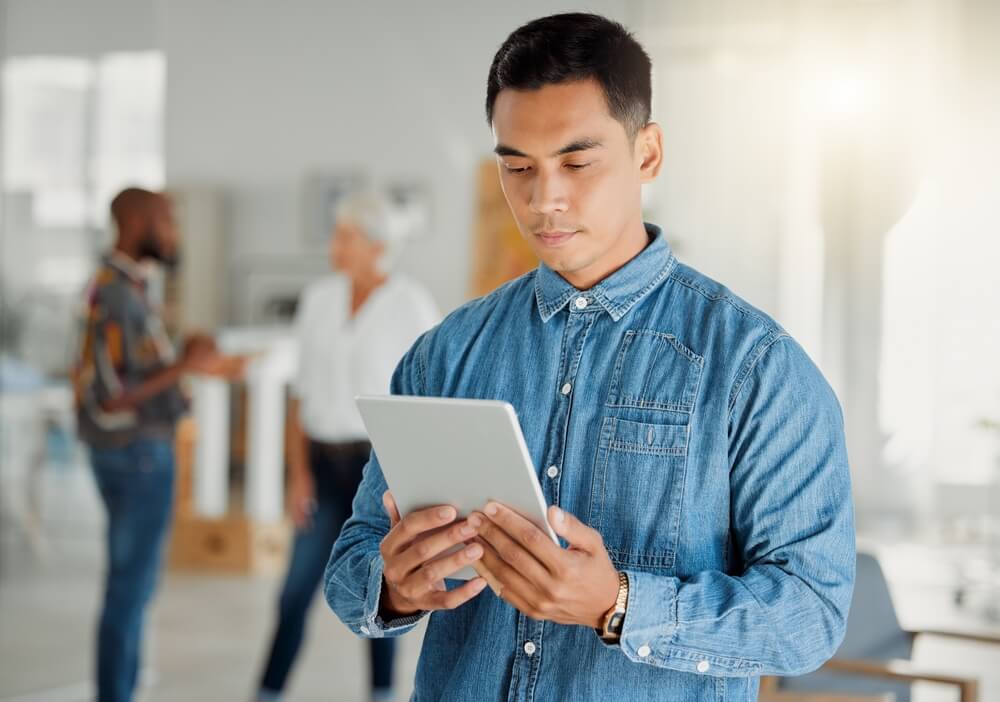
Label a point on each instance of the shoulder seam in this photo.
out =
(726, 297)
(751, 362)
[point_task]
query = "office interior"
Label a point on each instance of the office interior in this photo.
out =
(835, 162)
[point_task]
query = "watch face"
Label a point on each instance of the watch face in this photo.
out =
(616, 622)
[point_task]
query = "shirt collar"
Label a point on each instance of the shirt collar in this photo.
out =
(126, 265)
(620, 291)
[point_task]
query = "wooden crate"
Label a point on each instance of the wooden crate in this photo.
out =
(233, 544)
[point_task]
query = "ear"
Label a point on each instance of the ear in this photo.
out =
(649, 151)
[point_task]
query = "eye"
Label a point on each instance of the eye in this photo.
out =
(514, 170)
(576, 166)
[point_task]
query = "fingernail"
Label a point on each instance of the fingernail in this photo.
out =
(466, 530)
(475, 522)
(491, 509)
(559, 516)
(446, 513)
(474, 551)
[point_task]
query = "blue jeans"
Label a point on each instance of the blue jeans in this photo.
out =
(336, 470)
(136, 483)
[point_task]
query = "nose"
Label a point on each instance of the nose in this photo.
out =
(548, 195)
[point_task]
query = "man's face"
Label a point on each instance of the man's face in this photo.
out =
(572, 177)
(160, 239)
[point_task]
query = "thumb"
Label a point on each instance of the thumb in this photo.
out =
(390, 508)
(578, 534)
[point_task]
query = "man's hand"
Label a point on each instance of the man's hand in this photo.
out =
(219, 366)
(197, 346)
(577, 585)
(201, 355)
(415, 567)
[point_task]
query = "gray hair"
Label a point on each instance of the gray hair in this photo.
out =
(380, 221)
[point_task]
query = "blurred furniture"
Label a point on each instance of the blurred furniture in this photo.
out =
(769, 693)
(874, 658)
(970, 515)
(232, 543)
(27, 417)
(209, 532)
(267, 377)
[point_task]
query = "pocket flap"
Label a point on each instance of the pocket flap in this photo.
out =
(643, 437)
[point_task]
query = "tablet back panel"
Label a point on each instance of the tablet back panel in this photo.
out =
(448, 451)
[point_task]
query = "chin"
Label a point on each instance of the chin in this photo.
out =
(566, 270)
(563, 263)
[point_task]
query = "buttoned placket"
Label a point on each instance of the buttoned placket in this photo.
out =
(580, 317)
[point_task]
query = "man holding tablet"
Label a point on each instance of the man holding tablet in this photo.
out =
(692, 456)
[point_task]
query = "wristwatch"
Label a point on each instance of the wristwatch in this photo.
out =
(613, 622)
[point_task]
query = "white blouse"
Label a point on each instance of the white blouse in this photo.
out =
(341, 357)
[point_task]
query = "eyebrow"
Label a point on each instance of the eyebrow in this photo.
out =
(572, 147)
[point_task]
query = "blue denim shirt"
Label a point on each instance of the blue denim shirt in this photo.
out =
(694, 434)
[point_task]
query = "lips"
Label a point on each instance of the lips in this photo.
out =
(554, 237)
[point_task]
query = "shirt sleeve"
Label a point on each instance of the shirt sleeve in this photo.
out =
(353, 578)
(792, 528)
(115, 335)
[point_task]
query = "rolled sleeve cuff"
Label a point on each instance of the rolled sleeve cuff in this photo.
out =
(652, 635)
(373, 626)
(650, 619)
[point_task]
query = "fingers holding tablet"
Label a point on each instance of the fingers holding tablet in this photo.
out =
(419, 553)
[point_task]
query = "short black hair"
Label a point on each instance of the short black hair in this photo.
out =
(132, 200)
(576, 46)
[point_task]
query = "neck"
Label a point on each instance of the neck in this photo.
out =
(126, 248)
(630, 245)
(366, 282)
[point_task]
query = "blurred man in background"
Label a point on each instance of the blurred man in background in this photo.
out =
(128, 403)
(353, 327)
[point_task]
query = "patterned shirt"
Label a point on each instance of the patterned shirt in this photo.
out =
(122, 344)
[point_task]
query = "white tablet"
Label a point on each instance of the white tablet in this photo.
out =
(464, 453)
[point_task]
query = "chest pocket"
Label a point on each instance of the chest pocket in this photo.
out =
(639, 474)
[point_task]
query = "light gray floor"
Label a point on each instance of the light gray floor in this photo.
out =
(207, 634)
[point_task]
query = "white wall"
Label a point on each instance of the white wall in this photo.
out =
(260, 94)
(78, 28)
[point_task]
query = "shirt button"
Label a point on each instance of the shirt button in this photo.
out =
(529, 648)
(552, 472)
(581, 303)
(566, 389)
(365, 630)
(703, 666)
(644, 651)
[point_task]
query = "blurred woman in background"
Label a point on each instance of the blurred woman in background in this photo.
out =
(353, 326)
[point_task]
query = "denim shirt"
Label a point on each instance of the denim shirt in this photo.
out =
(686, 427)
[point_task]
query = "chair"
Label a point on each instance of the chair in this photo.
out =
(873, 662)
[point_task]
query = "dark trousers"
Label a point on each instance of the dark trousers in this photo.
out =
(336, 470)
(136, 483)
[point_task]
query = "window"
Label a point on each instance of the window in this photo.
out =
(75, 131)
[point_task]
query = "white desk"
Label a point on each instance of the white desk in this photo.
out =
(267, 378)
